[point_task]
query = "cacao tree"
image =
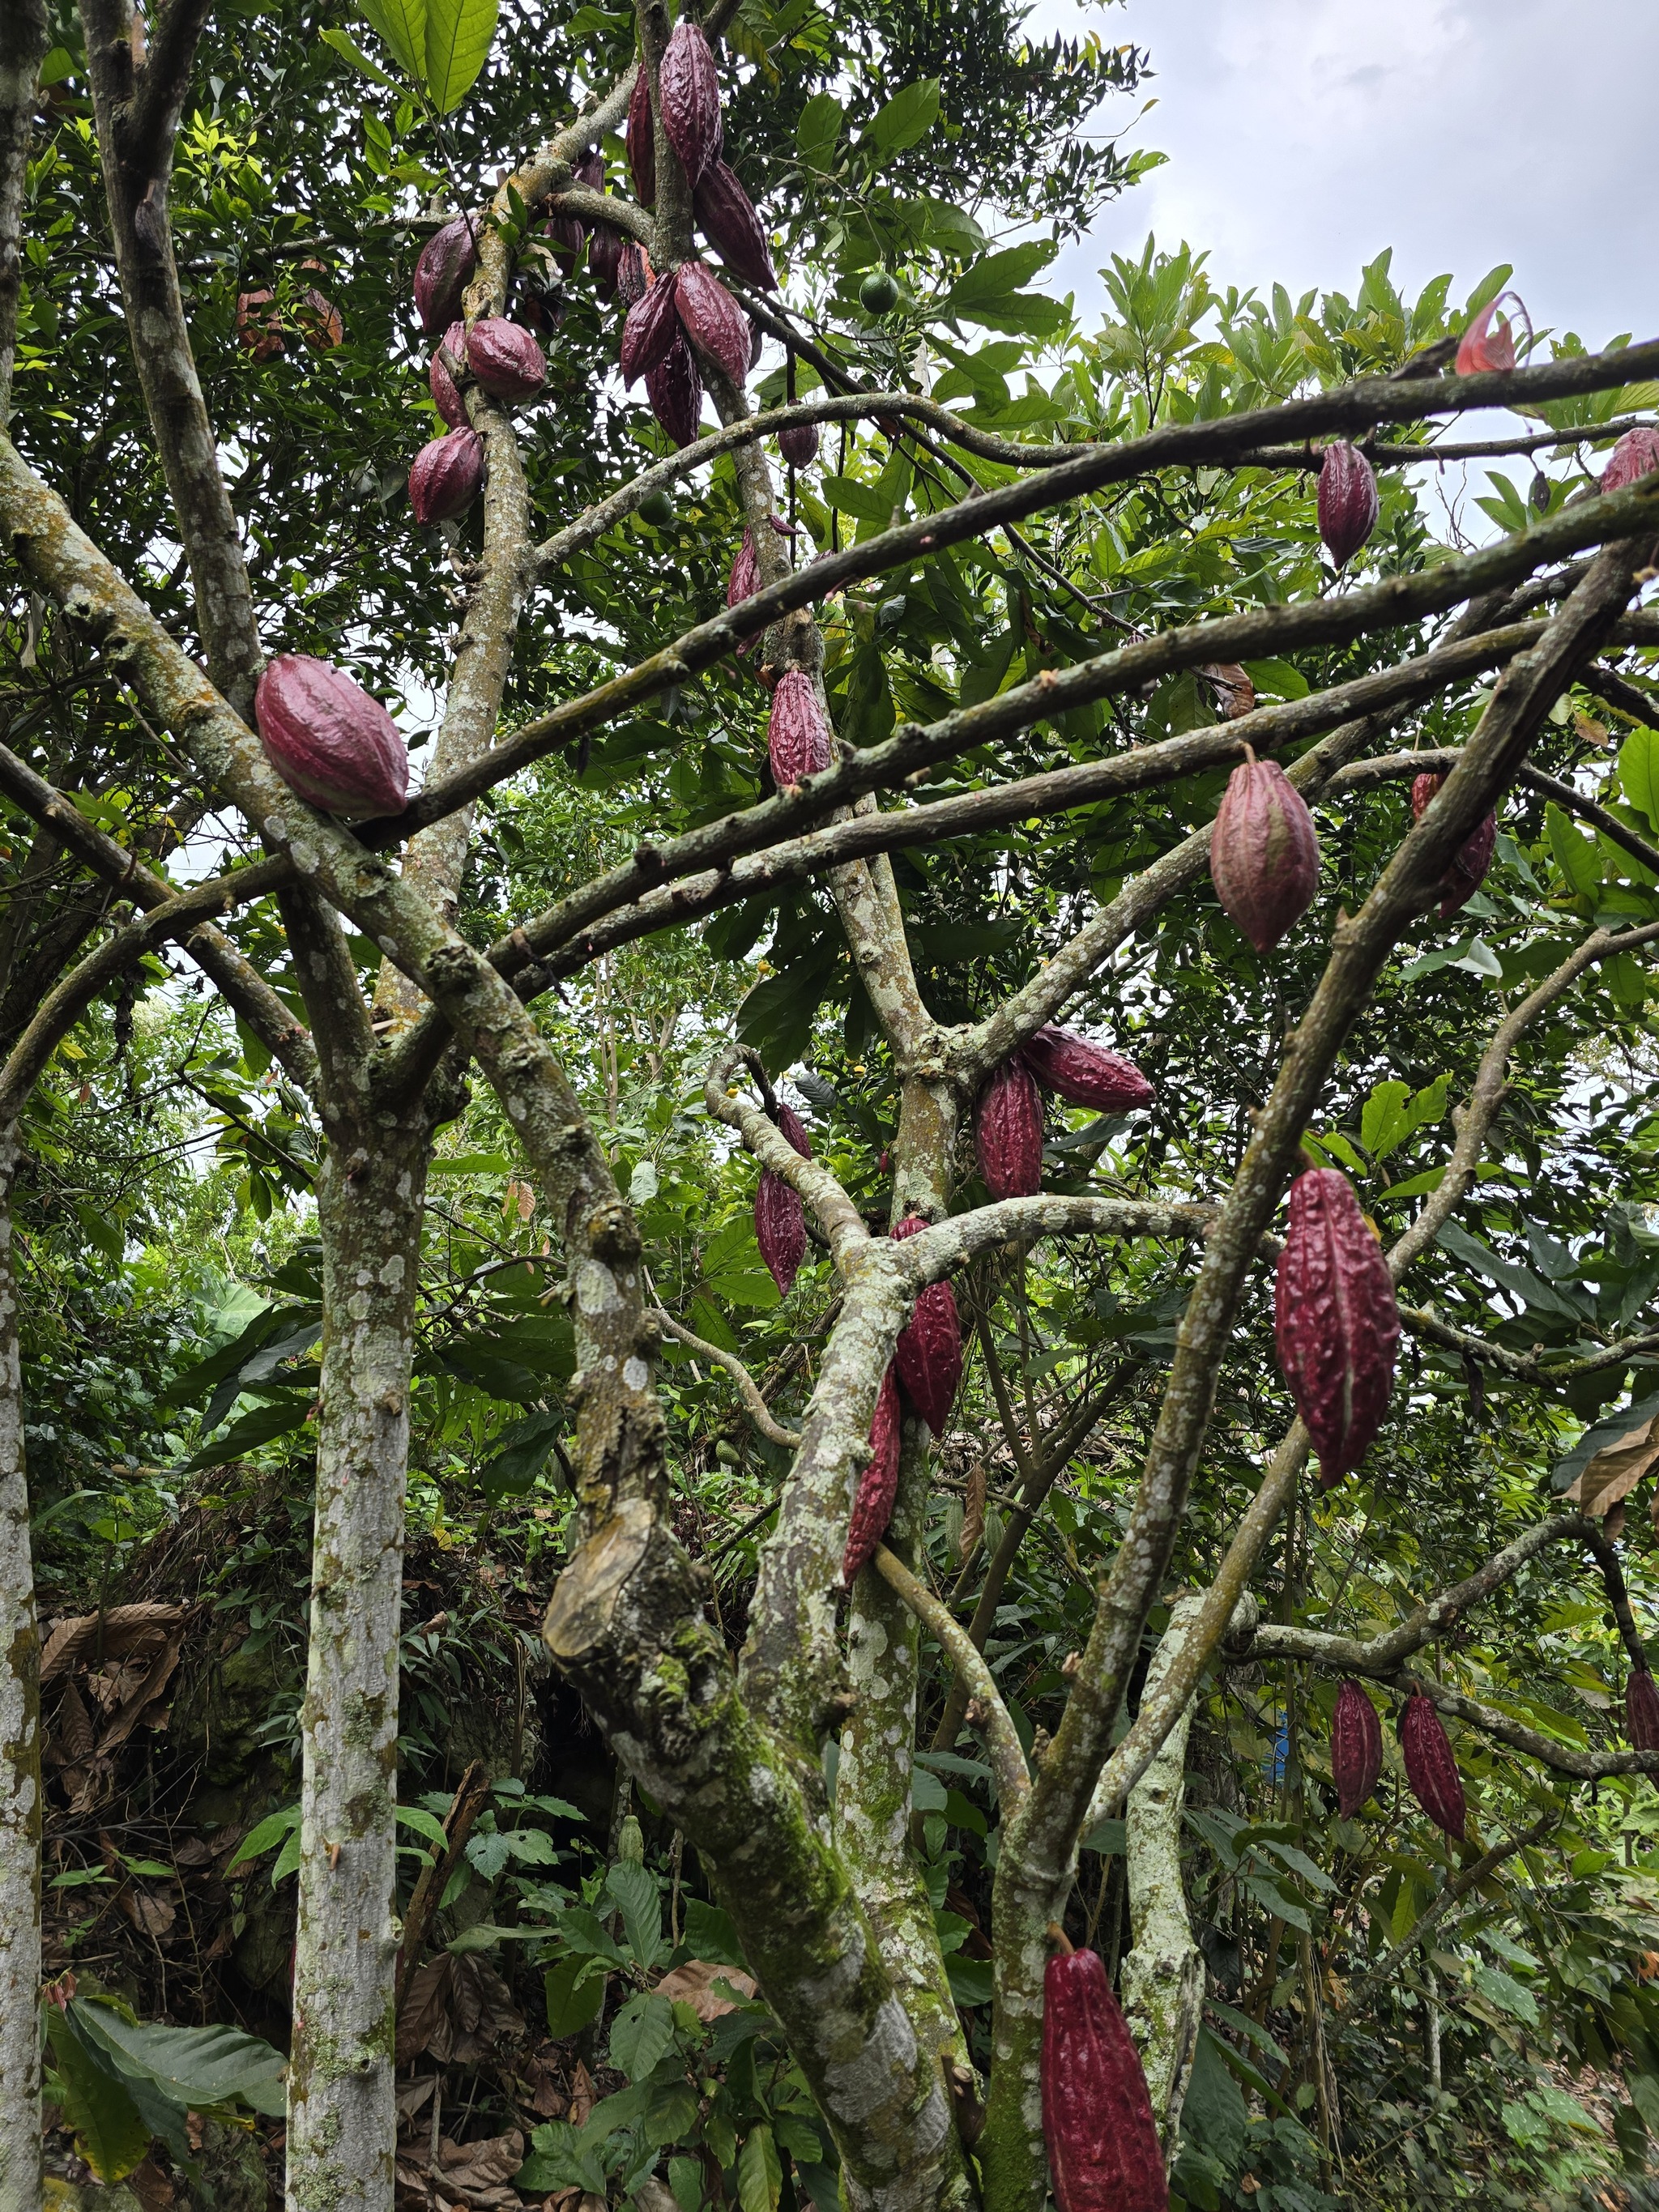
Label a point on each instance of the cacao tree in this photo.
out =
(965, 714)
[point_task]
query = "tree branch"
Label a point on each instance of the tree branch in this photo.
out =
(23, 35)
(759, 1412)
(986, 1711)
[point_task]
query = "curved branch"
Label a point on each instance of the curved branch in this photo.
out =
(841, 1221)
(986, 1711)
(1458, 1885)
(748, 1390)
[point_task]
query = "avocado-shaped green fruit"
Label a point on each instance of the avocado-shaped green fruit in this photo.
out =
(879, 294)
(657, 508)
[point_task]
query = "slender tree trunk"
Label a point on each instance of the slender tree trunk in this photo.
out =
(342, 2125)
(19, 1761)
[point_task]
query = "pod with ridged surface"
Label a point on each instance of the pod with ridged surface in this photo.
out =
(872, 1502)
(1336, 1321)
(1470, 862)
(642, 141)
(797, 735)
(446, 476)
(505, 360)
(1347, 501)
(1431, 1765)
(726, 216)
(690, 90)
(448, 361)
(1356, 1748)
(675, 390)
(712, 319)
(780, 1216)
(928, 1353)
(1098, 2124)
(331, 742)
(1084, 1072)
(444, 271)
(1008, 1131)
(1264, 852)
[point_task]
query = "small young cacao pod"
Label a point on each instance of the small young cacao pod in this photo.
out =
(797, 735)
(642, 141)
(1636, 454)
(726, 216)
(1085, 1073)
(1264, 852)
(928, 1353)
(779, 1217)
(505, 359)
(445, 476)
(651, 330)
(448, 361)
(1356, 1748)
(330, 740)
(1484, 348)
(691, 92)
(872, 1503)
(1347, 501)
(1473, 857)
(798, 444)
(634, 275)
(675, 390)
(444, 271)
(1098, 2119)
(1642, 1711)
(1335, 1321)
(1008, 1131)
(1431, 1768)
(712, 319)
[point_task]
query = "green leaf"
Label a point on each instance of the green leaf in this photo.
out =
(1509, 1996)
(110, 2133)
(641, 2034)
(458, 38)
(265, 1837)
(402, 25)
(192, 2066)
(262, 1426)
(343, 43)
(710, 1934)
(1214, 2115)
(973, 1981)
(819, 127)
(995, 277)
(909, 115)
(1576, 856)
(574, 1996)
(1639, 772)
(760, 2172)
(523, 1450)
(423, 1823)
(637, 1899)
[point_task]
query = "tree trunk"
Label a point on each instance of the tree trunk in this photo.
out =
(19, 1761)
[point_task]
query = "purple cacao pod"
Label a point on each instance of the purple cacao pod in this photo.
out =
(444, 271)
(448, 361)
(1335, 1321)
(675, 390)
(797, 735)
(604, 252)
(590, 170)
(330, 740)
(1642, 1711)
(1472, 858)
(1098, 2125)
(779, 1228)
(873, 1503)
(642, 141)
(743, 584)
(1085, 1073)
(726, 216)
(1008, 1132)
(798, 444)
(445, 476)
(928, 1353)
(651, 330)
(634, 275)
(1431, 1767)
(1636, 454)
(1347, 501)
(691, 92)
(567, 232)
(506, 360)
(1264, 852)
(1356, 1748)
(712, 319)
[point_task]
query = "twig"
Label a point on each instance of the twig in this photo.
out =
(986, 1710)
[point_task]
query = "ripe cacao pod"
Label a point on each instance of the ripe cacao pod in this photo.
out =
(726, 216)
(690, 90)
(743, 584)
(1642, 1711)
(443, 273)
(1085, 1073)
(1098, 2120)
(445, 476)
(642, 141)
(712, 319)
(448, 359)
(1347, 501)
(634, 275)
(590, 170)
(1264, 852)
(675, 390)
(506, 360)
(798, 444)
(928, 1353)
(567, 232)
(1636, 454)
(1431, 1768)
(1335, 1319)
(1009, 1132)
(1484, 348)
(779, 1217)
(797, 735)
(1472, 858)
(652, 328)
(330, 740)
(604, 252)
(872, 1503)
(1356, 1748)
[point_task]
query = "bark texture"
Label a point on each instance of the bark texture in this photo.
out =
(20, 1758)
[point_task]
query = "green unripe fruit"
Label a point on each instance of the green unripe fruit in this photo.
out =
(630, 1843)
(657, 508)
(879, 294)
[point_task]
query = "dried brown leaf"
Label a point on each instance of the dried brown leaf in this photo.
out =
(693, 1984)
(1616, 1469)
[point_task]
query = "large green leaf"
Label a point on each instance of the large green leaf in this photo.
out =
(457, 36)
(110, 2133)
(908, 116)
(194, 2066)
(262, 1426)
(402, 25)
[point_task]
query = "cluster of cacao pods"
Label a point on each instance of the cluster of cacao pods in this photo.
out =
(1102, 2135)
(1008, 1128)
(1430, 1764)
(1347, 501)
(1336, 1321)
(1472, 858)
(779, 1217)
(331, 742)
(1264, 852)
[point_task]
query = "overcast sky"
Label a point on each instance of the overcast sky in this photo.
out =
(1303, 135)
